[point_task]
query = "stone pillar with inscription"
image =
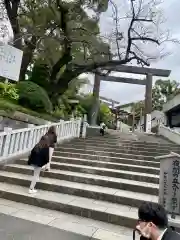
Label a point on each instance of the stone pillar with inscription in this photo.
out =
(148, 123)
(169, 183)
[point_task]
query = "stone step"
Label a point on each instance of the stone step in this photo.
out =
(136, 176)
(105, 181)
(144, 177)
(102, 164)
(93, 156)
(93, 229)
(108, 165)
(133, 146)
(88, 191)
(107, 153)
(125, 142)
(130, 146)
(118, 214)
(160, 150)
(120, 149)
(136, 136)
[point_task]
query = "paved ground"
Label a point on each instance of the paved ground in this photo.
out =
(89, 228)
(12, 228)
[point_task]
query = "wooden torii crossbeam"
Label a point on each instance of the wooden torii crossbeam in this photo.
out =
(123, 80)
(147, 82)
(140, 70)
(109, 101)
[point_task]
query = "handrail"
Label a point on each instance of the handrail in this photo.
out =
(18, 142)
(172, 135)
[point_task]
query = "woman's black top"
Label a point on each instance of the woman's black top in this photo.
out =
(39, 157)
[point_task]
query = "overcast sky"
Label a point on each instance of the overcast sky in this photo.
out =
(125, 93)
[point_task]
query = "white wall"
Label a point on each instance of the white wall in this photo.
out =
(158, 115)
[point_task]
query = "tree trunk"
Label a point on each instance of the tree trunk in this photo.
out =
(27, 57)
(95, 104)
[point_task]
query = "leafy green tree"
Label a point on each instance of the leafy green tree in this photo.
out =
(40, 75)
(138, 108)
(72, 93)
(69, 40)
(105, 114)
(162, 91)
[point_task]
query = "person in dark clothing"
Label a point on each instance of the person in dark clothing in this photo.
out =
(38, 157)
(52, 141)
(153, 223)
(102, 128)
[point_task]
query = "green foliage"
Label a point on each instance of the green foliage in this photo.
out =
(9, 107)
(9, 91)
(33, 96)
(105, 114)
(60, 113)
(86, 104)
(44, 21)
(163, 91)
(138, 108)
(41, 74)
(65, 107)
(104, 111)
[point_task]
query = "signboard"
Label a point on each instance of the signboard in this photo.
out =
(10, 62)
(169, 184)
(148, 123)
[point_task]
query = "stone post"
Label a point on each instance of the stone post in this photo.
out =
(6, 141)
(78, 130)
(95, 104)
(7, 129)
(30, 125)
(84, 127)
(148, 99)
(169, 183)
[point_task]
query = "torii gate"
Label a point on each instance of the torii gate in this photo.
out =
(108, 101)
(147, 82)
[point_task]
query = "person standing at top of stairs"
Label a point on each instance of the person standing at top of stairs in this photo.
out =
(52, 141)
(102, 128)
(39, 157)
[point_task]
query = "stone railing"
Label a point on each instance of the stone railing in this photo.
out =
(157, 121)
(172, 135)
(15, 143)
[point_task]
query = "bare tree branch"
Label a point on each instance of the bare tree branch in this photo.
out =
(145, 39)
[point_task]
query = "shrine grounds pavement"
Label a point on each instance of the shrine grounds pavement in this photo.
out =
(12, 228)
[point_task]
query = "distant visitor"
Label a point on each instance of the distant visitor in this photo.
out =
(102, 128)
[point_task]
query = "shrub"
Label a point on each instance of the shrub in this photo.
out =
(33, 96)
(9, 91)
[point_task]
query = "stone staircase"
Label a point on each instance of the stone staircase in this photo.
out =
(95, 185)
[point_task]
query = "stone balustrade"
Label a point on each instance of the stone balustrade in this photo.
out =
(15, 143)
(170, 134)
